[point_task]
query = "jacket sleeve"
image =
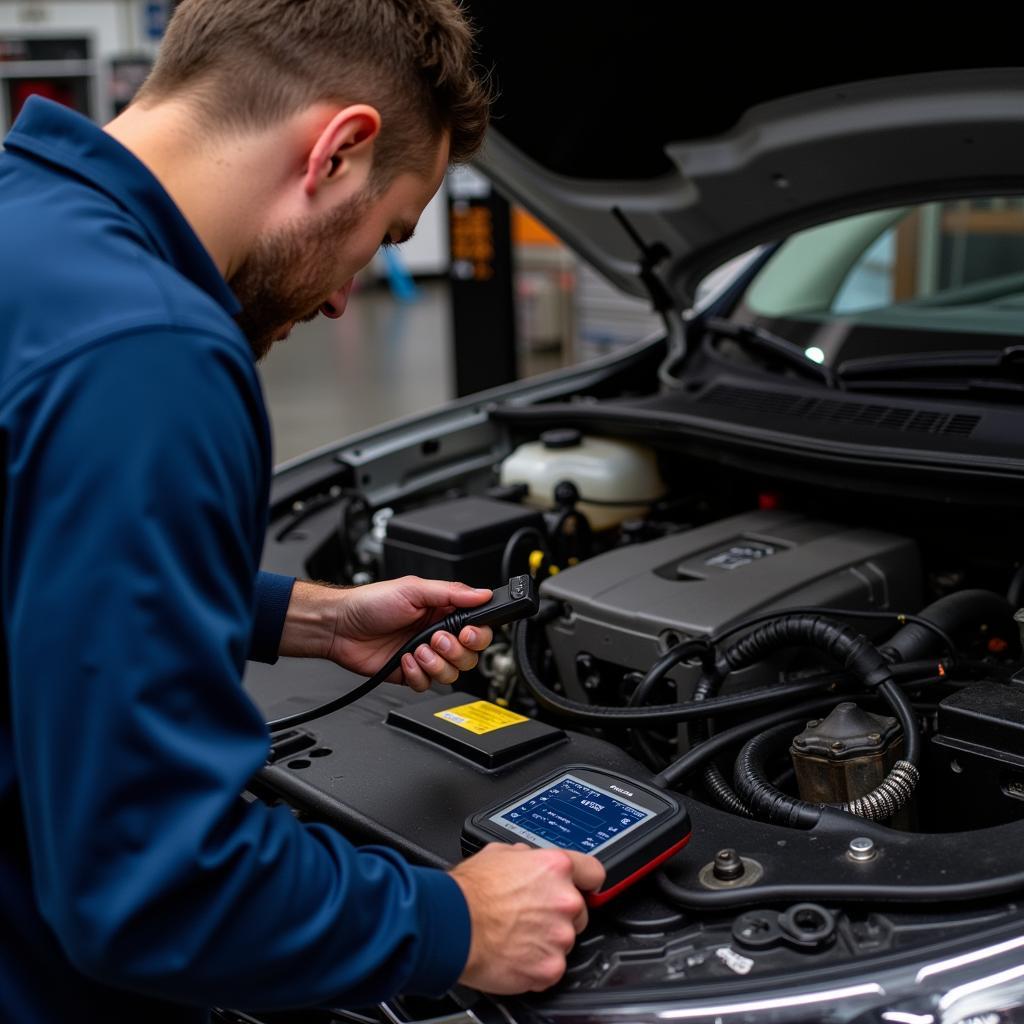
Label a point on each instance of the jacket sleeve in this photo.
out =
(273, 592)
(135, 510)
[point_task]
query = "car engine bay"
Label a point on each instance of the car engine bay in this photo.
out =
(830, 680)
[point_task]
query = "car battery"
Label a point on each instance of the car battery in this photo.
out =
(461, 540)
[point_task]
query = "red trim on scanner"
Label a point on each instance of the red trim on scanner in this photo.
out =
(597, 899)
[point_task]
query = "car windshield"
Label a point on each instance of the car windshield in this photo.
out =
(936, 277)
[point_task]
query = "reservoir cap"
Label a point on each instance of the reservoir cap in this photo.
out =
(564, 437)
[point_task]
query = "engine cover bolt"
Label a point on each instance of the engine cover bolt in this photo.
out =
(862, 849)
(838, 746)
(728, 866)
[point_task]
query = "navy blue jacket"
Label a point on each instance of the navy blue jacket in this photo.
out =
(135, 881)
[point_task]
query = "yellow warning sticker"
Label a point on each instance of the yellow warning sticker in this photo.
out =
(480, 717)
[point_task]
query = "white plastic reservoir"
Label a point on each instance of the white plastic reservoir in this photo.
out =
(602, 469)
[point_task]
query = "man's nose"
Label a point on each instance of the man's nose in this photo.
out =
(336, 303)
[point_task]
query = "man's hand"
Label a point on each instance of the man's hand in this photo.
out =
(526, 909)
(361, 627)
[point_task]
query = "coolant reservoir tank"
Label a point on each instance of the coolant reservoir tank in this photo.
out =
(602, 470)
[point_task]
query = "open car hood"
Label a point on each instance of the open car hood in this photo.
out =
(708, 152)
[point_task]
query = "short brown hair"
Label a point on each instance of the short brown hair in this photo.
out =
(251, 63)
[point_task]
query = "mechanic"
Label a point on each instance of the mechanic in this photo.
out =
(145, 268)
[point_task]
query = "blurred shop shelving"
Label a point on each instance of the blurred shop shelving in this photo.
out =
(566, 313)
(90, 55)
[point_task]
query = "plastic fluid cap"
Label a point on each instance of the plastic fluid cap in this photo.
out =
(562, 438)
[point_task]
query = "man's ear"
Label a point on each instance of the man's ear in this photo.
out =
(346, 138)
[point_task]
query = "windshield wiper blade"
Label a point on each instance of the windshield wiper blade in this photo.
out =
(782, 348)
(1002, 362)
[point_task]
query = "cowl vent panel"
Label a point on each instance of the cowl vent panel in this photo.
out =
(833, 410)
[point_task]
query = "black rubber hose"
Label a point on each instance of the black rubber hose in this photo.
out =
(765, 801)
(835, 613)
(852, 650)
(702, 750)
(755, 795)
(595, 714)
(661, 668)
(902, 707)
(672, 776)
(722, 793)
(1015, 591)
(770, 804)
(951, 614)
(858, 655)
(697, 733)
(517, 538)
(642, 693)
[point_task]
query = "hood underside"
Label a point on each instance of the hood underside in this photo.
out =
(712, 150)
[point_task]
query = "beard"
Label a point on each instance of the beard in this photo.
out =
(291, 272)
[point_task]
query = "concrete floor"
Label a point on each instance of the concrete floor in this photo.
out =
(380, 361)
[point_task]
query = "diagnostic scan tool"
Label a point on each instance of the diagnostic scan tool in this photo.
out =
(627, 825)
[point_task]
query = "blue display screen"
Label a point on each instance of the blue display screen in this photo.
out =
(572, 815)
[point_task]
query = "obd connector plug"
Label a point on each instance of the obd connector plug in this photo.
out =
(516, 600)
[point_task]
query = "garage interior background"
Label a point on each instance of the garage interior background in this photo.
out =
(394, 352)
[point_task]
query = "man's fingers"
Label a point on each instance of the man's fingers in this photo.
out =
(414, 676)
(587, 872)
(468, 597)
(453, 652)
(580, 920)
(476, 638)
(435, 666)
(442, 593)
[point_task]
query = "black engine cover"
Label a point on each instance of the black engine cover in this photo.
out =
(380, 783)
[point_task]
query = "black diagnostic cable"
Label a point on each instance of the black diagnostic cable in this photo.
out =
(510, 603)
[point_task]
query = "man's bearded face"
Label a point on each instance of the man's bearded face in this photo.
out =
(291, 272)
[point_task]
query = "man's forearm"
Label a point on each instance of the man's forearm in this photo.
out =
(311, 620)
